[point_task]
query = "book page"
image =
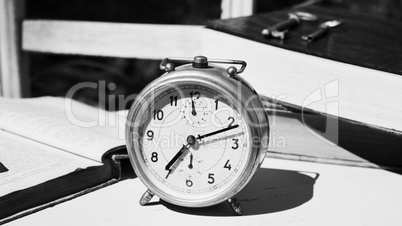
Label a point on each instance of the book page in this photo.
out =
(30, 163)
(65, 124)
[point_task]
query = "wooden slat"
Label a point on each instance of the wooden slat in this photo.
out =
(111, 39)
(13, 80)
(236, 8)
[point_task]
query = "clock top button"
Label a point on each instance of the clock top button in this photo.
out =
(200, 62)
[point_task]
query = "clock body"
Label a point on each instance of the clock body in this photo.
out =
(196, 135)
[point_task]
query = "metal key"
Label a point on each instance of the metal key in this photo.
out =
(323, 28)
(279, 30)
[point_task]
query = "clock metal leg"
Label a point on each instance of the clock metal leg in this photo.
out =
(146, 197)
(235, 204)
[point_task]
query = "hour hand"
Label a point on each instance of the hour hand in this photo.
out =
(177, 156)
(190, 141)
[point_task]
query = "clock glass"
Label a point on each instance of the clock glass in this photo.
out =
(194, 143)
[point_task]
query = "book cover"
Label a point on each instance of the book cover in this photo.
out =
(362, 40)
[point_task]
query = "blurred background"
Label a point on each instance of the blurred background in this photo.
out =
(54, 75)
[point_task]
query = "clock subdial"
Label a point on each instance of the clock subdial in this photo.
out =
(191, 167)
(195, 111)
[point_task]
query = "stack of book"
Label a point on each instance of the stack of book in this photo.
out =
(357, 65)
(346, 86)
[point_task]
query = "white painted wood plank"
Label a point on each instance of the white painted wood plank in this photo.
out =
(236, 8)
(148, 41)
(283, 192)
(11, 12)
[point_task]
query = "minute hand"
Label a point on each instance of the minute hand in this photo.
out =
(216, 132)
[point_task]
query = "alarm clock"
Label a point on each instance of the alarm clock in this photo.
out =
(197, 134)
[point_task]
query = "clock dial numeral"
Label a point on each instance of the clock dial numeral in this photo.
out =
(232, 121)
(158, 114)
(227, 165)
(154, 157)
(216, 104)
(150, 134)
(235, 144)
(189, 183)
(173, 100)
(195, 94)
(211, 178)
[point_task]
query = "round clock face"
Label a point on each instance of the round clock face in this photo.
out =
(193, 144)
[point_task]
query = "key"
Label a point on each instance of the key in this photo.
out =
(323, 28)
(279, 30)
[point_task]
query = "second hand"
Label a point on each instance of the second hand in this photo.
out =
(190, 166)
(193, 112)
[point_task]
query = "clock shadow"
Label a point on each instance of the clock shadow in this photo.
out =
(269, 191)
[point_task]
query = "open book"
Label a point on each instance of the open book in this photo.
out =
(51, 148)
